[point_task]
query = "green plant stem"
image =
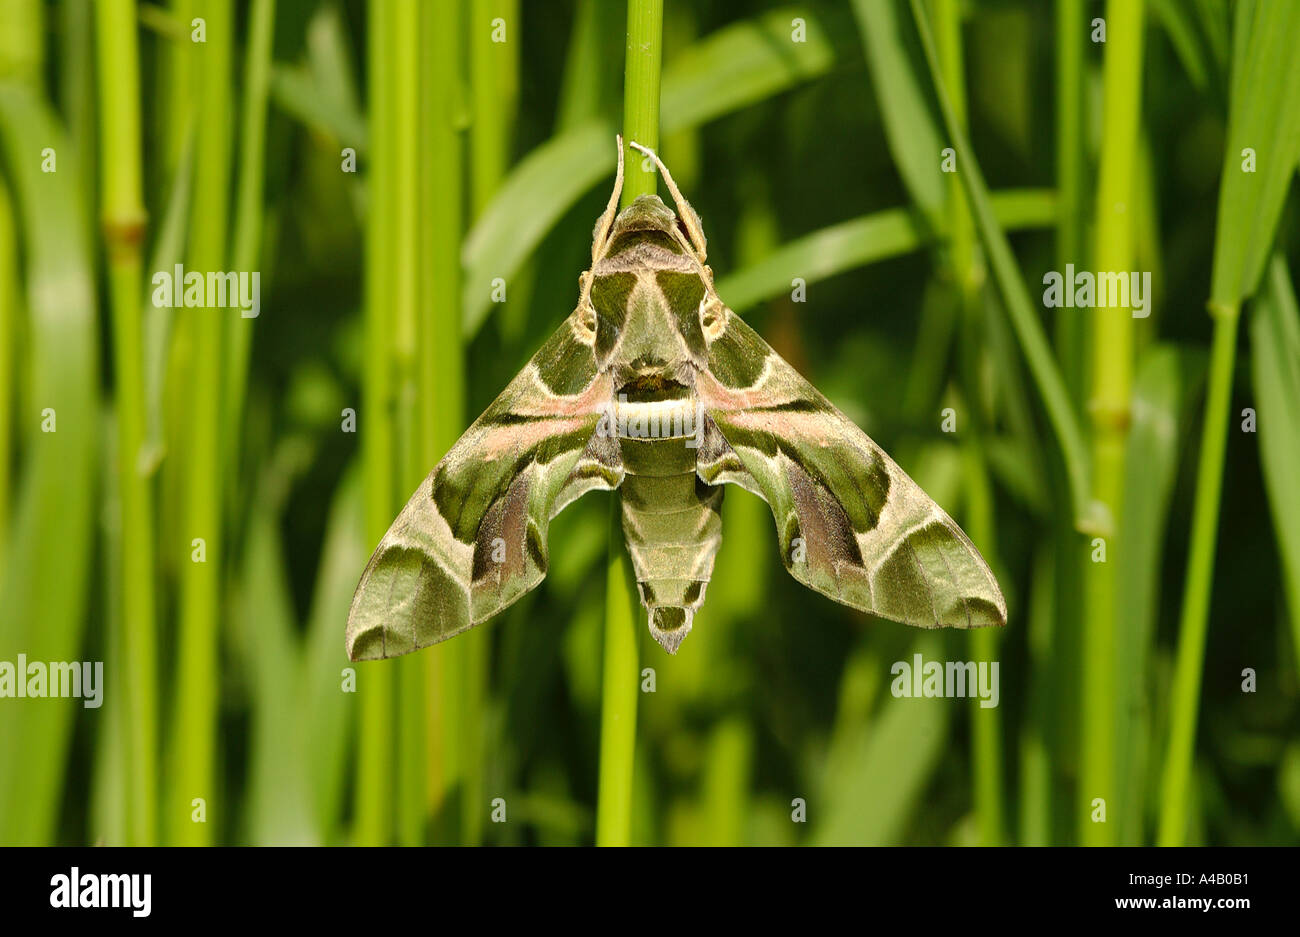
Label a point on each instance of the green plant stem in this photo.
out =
(620, 685)
(1111, 389)
(1264, 83)
(1020, 309)
(403, 59)
(377, 682)
(22, 43)
(249, 218)
(620, 679)
(8, 379)
(1194, 622)
(124, 224)
(494, 67)
(494, 85)
(641, 80)
(442, 365)
(1071, 32)
(986, 724)
(178, 91)
(194, 741)
(77, 68)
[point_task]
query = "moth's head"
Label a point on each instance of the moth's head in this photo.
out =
(648, 219)
(647, 232)
(646, 213)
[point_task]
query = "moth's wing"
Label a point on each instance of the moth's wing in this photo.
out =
(851, 524)
(472, 539)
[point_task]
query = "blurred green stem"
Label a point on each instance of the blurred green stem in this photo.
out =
(377, 682)
(618, 701)
(1108, 407)
(1019, 307)
(620, 685)
(986, 726)
(1194, 623)
(494, 35)
(1264, 85)
(123, 217)
(403, 58)
(194, 739)
(249, 218)
(442, 366)
(1071, 33)
(8, 378)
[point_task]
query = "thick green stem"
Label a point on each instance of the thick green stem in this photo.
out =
(124, 222)
(1111, 390)
(621, 677)
(403, 59)
(193, 750)
(645, 29)
(441, 362)
(377, 682)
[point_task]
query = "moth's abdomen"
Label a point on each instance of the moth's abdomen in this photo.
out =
(672, 527)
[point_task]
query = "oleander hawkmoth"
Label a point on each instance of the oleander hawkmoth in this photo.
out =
(653, 387)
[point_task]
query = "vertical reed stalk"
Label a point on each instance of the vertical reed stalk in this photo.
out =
(247, 245)
(645, 30)
(1071, 34)
(1051, 736)
(494, 67)
(178, 90)
(412, 672)
(442, 366)
(194, 741)
(375, 755)
(618, 701)
(986, 726)
(1265, 82)
(1108, 408)
(494, 84)
(123, 216)
(8, 378)
(1194, 621)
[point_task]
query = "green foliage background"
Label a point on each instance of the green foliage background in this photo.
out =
(810, 139)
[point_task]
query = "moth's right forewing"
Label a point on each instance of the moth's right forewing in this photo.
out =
(472, 539)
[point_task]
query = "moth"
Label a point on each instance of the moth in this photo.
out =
(654, 388)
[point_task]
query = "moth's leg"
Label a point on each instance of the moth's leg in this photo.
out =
(684, 209)
(606, 221)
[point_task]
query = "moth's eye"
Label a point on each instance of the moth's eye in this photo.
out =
(588, 320)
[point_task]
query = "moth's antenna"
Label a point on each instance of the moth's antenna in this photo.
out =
(607, 220)
(684, 208)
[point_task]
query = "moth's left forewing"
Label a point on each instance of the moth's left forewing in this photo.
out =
(472, 539)
(850, 522)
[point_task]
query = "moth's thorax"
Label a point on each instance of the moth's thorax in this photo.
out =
(648, 333)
